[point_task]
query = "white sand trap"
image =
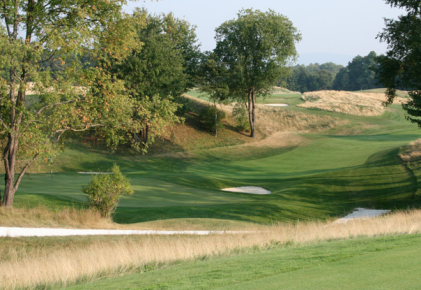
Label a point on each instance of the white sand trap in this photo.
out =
(248, 189)
(277, 105)
(361, 213)
(95, 173)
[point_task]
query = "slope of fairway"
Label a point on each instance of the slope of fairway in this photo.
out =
(376, 263)
(319, 176)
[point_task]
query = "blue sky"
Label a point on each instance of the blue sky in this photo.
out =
(332, 30)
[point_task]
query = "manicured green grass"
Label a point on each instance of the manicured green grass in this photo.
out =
(354, 165)
(368, 263)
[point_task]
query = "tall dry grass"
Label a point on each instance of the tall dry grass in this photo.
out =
(411, 152)
(62, 266)
(58, 218)
(271, 120)
(351, 103)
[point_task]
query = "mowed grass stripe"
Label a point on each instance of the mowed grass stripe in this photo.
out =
(381, 181)
(369, 263)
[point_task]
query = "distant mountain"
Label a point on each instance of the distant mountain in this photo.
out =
(308, 58)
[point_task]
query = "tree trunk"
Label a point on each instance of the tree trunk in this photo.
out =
(146, 140)
(249, 112)
(9, 157)
(252, 112)
(216, 120)
(9, 192)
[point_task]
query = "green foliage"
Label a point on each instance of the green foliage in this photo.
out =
(358, 75)
(207, 118)
(212, 78)
(75, 97)
(105, 190)
(400, 67)
(159, 73)
(313, 77)
(240, 116)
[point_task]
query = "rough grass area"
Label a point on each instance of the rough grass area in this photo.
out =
(32, 262)
(399, 93)
(411, 156)
(351, 103)
(272, 119)
(43, 262)
(379, 263)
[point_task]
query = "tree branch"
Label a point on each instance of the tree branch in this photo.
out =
(16, 185)
(55, 105)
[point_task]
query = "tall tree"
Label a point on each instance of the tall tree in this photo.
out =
(162, 70)
(400, 67)
(212, 79)
(256, 48)
(76, 97)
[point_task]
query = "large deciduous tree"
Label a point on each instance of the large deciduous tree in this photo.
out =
(163, 68)
(400, 67)
(76, 97)
(256, 48)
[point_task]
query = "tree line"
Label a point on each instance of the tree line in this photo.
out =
(359, 74)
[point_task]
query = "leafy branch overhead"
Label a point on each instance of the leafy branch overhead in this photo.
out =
(399, 68)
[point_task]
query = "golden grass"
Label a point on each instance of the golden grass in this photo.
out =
(411, 152)
(351, 103)
(59, 218)
(86, 261)
(272, 119)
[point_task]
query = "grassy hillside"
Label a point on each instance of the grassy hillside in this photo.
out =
(316, 173)
(319, 165)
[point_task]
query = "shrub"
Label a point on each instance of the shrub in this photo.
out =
(105, 190)
(207, 118)
(240, 116)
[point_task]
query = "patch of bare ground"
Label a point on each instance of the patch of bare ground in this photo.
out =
(29, 263)
(271, 120)
(351, 103)
(411, 152)
(280, 90)
(279, 139)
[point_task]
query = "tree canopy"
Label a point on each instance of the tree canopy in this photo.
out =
(359, 74)
(313, 77)
(256, 49)
(400, 67)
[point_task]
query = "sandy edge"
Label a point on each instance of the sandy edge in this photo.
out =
(248, 189)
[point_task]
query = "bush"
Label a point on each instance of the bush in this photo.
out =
(105, 190)
(207, 118)
(240, 116)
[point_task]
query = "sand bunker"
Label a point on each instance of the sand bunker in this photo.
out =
(361, 213)
(248, 189)
(277, 105)
(351, 103)
(95, 173)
